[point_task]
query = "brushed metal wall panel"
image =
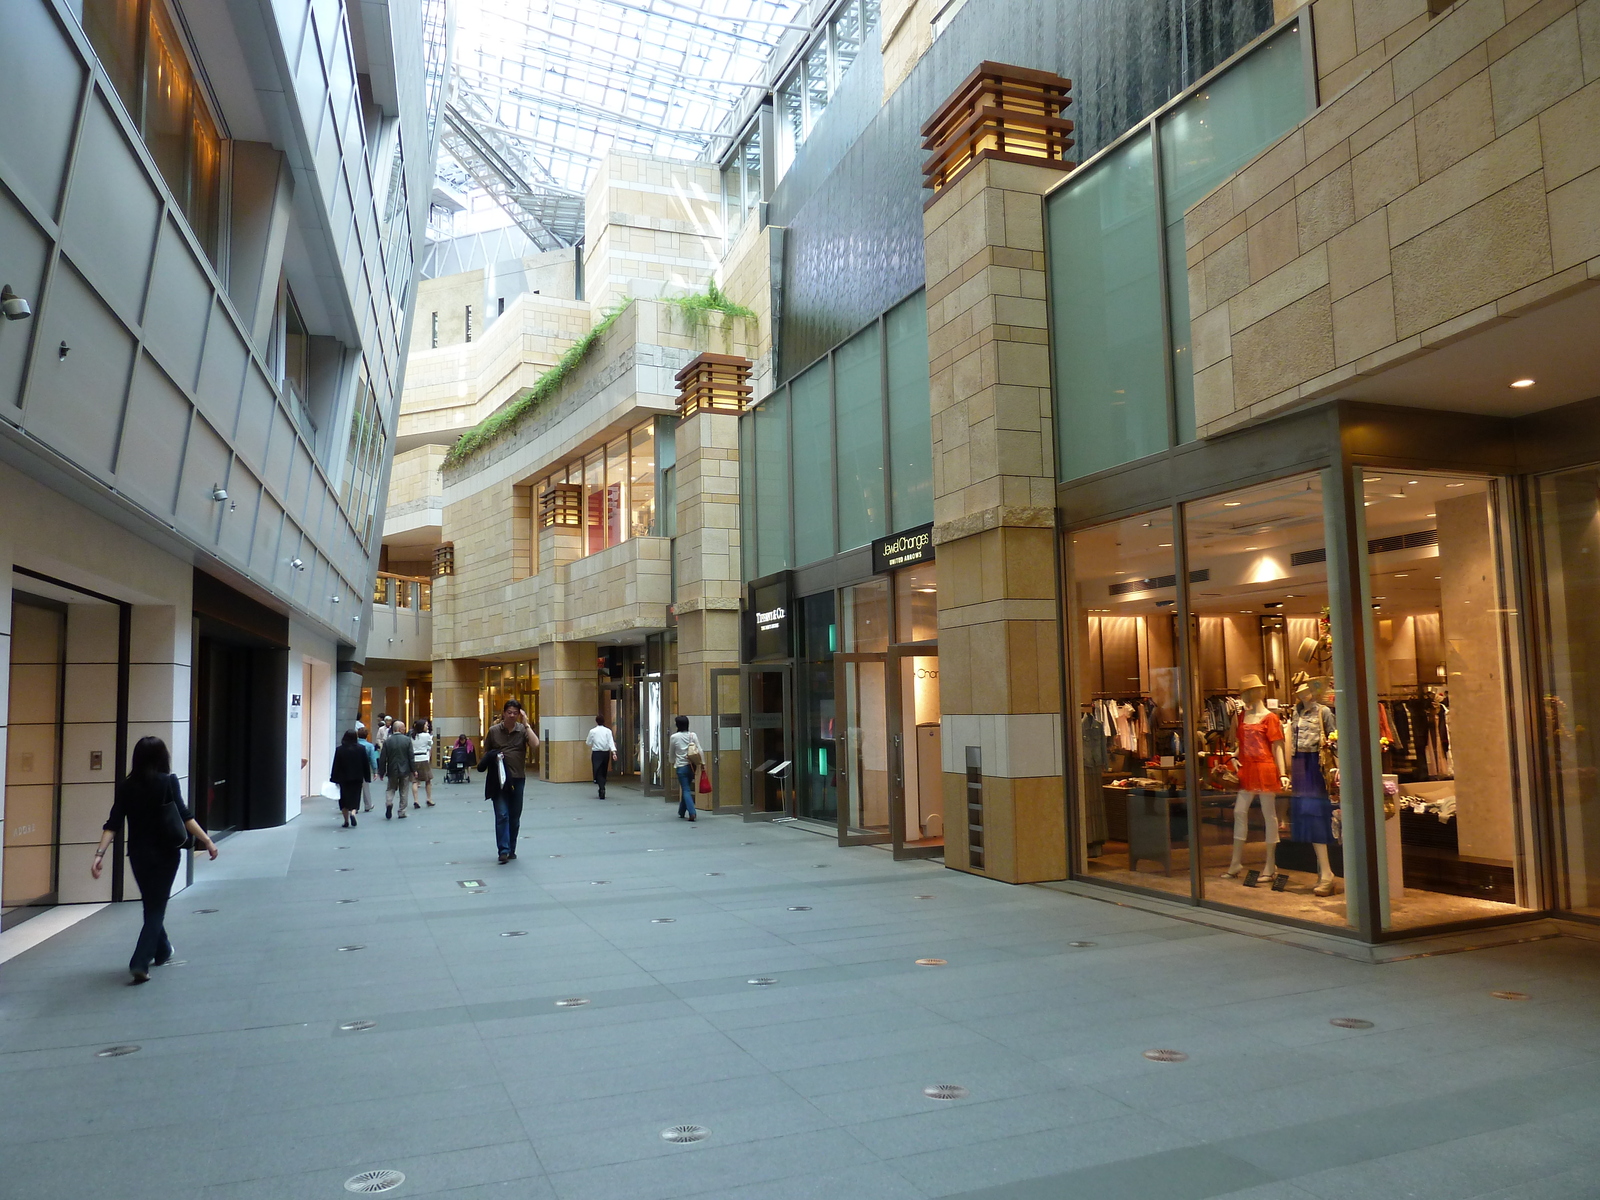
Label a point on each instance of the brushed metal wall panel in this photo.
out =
(43, 80)
(281, 446)
(110, 223)
(152, 439)
(221, 372)
(269, 527)
(177, 308)
(238, 522)
(205, 464)
(74, 404)
(23, 252)
(257, 405)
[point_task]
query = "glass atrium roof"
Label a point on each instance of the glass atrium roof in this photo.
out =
(542, 89)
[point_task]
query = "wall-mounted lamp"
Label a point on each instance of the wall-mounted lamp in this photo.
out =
(335, 599)
(218, 492)
(13, 306)
(297, 564)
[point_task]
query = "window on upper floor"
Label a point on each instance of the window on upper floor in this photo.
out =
(741, 182)
(806, 91)
(364, 458)
(608, 495)
(140, 48)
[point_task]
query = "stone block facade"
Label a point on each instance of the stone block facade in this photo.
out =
(994, 518)
(1339, 251)
(650, 227)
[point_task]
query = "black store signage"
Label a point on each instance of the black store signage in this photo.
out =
(903, 549)
(766, 618)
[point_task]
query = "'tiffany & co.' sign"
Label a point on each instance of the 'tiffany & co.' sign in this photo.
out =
(903, 549)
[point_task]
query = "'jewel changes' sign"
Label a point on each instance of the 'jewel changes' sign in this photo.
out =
(903, 549)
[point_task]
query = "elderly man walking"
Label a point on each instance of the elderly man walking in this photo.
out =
(395, 759)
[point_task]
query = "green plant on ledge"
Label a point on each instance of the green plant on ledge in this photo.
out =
(713, 299)
(498, 424)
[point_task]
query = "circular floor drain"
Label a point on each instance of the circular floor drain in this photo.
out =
(1166, 1056)
(819, 864)
(357, 1026)
(710, 873)
(337, 869)
(945, 1091)
(685, 1133)
(1509, 995)
(922, 897)
(800, 908)
(571, 1002)
(598, 882)
(515, 933)
(341, 847)
(1080, 945)
(747, 843)
(553, 856)
(655, 850)
(662, 920)
(348, 902)
(932, 962)
(374, 1181)
(762, 981)
(346, 949)
(1350, 1023)
(454, 862)
(115, 1051)
(201, 911)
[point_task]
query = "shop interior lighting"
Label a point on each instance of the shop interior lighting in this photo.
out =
(1522, 383)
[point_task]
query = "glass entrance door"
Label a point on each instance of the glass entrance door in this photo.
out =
(727, 719)
(861, 693)
(768, 786)
(916, 799)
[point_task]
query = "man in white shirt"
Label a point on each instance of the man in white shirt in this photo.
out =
(602, 752)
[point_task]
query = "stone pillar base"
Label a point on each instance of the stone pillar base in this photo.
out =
(569, 697)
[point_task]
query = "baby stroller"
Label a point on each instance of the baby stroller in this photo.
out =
(461, 761)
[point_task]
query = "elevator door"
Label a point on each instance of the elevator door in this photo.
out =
(768, 790)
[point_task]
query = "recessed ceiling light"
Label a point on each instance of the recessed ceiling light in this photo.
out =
(1370, 503)
(1433, 514)
(1246, 611)
(1372, 479)
(1232, 503)
(1402, 574)
(1455, 485)
(1411, 481)
(1380, 597)
(1521, 383)
(1166, 546)
(1252, 547)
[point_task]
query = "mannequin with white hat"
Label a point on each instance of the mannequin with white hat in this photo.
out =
(1263, 773)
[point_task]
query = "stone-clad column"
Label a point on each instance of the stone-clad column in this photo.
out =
(569, 698)
(994, 524)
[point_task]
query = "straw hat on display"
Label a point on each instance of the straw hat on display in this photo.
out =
(1251, 683)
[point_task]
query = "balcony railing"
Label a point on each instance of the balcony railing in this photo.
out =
(402, 592)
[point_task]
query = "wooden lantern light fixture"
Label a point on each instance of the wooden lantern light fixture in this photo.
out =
(561, 504)
(718, 383)
(1002, 112)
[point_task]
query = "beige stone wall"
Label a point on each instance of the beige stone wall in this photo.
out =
(449, 297)
(414, 480)
(988, 350)
(1450, 181)
(746, 278)
(994, 518)
(651, 225)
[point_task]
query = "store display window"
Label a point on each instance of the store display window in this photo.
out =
(1443, 636)
(1267, 703)
(1128, 790)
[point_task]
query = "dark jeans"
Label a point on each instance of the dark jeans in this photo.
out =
(601, 761)
(508, 815)
(154, 869)
(686, 790)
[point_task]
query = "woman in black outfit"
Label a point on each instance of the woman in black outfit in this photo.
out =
(151, 801)
(351, 768)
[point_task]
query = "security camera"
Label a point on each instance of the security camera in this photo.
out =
(13, 306)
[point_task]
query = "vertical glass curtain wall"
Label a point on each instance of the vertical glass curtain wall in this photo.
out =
(1119, 285)
(843, 453)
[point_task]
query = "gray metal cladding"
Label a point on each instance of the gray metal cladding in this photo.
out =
(43, 82)
(153, 436)
(854, 218)
(178, 307)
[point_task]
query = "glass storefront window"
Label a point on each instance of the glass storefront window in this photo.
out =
(813, 466)
(1105, 313)
(1206, 139)
(916, 603)
(1569, 531)
(864, 620)
(594, 503)
(1266, 703)
(616, 485)
(771, 469)
(910, 431)
(642, 484)
(858, 407)
(1443, 636)
(1128, 792)
(817, 797)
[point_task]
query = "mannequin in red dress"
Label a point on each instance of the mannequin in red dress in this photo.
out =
(1263, 773)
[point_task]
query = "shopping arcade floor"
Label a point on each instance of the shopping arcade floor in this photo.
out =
(473, 1083)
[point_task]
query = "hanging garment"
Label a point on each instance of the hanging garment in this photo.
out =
(1310, 809)
(1258, 769)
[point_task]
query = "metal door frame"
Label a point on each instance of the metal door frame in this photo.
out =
(894, 714)
(848, 835)
(717, 803)
(786, 781)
